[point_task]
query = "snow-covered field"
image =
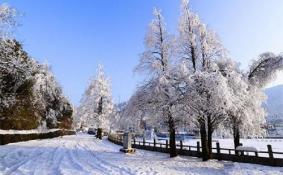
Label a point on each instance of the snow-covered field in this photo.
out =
(83, 154)
(259, 144)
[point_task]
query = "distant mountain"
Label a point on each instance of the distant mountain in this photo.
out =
(274, 103)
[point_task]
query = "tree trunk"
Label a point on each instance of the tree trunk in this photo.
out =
(236, 136)
(99, 133)
(99, 130)
(204, 145)
(209, 137)
(172, 136)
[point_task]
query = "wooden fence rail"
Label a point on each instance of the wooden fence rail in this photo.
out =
(217, 152)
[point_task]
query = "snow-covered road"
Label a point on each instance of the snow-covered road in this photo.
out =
(83, 154)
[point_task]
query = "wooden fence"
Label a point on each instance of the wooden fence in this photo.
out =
(258, 157)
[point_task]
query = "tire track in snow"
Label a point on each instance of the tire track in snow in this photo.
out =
(45, 150)
(70, 161)
(110, 167)
(15, 167)
(86, 158)
(39, 156)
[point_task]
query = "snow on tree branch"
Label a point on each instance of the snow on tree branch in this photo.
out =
(155, 59)
(264, 69)
(8, 20)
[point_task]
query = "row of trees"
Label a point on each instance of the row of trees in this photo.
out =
(192, 81)
(30, 97)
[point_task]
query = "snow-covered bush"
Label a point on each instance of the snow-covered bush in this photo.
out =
(16, 95)
(29, 93)
(30, 97)
(55, 109)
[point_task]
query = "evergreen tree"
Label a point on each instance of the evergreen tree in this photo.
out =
(96, 105)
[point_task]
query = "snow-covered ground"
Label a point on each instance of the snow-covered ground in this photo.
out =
(83, 154)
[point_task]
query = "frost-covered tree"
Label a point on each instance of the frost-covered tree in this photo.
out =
(188, 26)
(121, 119)
(246, 115)
(96, 105)
(146, 105)
(247, 118)
(156, 60)
(16, 96)
(170, 89)
(49, 98)
(206, 96)
(197, 45)
(15, 67)
(30, 97)
(29, 93)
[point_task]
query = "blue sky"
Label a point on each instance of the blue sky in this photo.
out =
(76, 35)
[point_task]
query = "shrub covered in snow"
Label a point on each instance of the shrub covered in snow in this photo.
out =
(29, 93)
(30, 97)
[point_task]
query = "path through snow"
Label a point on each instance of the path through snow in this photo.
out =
(84, 155)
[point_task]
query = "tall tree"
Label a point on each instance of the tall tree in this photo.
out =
(199, 47)
(206, 96)
(156, 61)
(96, 105)
(246, 116)
(188, 36)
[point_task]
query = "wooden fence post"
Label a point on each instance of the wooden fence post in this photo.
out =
(198, 147)
(218, 150)
(270, 153)
(166, 144)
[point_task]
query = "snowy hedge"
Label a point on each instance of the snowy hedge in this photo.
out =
(11, 138)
